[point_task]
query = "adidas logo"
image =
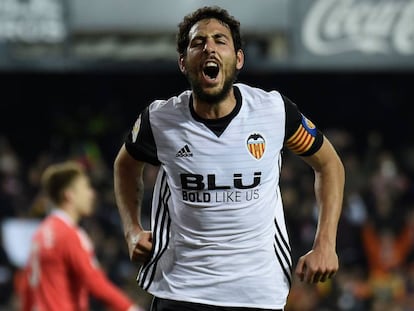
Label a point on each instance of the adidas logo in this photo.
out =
(184, 152)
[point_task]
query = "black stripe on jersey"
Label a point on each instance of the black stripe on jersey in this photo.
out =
(285, 251)
(285, 243)
(160, 237)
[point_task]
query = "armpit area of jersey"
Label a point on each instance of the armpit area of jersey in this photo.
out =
(306, 140)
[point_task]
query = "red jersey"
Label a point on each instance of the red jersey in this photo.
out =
(62, 270)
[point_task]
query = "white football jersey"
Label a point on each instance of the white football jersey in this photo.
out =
(219, 232)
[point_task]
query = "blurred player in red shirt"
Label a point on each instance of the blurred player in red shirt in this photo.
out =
(62, 270)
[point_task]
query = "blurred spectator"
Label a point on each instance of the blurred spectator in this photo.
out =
(6, 277)
(11, 183)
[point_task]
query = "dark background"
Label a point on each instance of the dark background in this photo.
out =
(36, 107)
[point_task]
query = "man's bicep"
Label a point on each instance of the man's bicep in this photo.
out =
(325, 154)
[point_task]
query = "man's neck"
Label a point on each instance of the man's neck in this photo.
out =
(69, 211)
(215, 110)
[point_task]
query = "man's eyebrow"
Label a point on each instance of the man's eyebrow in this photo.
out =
(220, 35)
(215, 36)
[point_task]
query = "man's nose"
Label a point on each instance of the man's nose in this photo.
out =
(210, 46)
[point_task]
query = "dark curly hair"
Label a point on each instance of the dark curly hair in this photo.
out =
(207, 12)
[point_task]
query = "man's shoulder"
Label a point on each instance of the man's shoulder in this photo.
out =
(254, 91)
(172, 102)
(53, 232)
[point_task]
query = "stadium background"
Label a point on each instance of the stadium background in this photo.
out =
(74, 75)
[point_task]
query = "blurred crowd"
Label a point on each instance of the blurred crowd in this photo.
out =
(375, 239)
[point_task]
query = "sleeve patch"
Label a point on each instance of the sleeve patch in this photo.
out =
(135, 129)
(304, 137)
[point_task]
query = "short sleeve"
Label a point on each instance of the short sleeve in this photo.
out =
(140, 142)
(302, 136)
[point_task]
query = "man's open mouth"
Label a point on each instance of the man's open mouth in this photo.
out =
(211, 70)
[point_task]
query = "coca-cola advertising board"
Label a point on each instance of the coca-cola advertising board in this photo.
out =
(355, 34)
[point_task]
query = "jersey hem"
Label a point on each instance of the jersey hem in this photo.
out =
(219, 304)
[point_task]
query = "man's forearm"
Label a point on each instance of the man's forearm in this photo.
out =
(329, 194)
(129, 191)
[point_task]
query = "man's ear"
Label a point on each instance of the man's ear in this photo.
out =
(67, 195)
(239, 59)
(181, 64)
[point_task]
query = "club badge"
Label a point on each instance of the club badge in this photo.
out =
(256, 145)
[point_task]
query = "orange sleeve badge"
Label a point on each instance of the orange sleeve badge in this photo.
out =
(302, 140)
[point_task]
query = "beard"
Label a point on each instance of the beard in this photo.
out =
(216, 97)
